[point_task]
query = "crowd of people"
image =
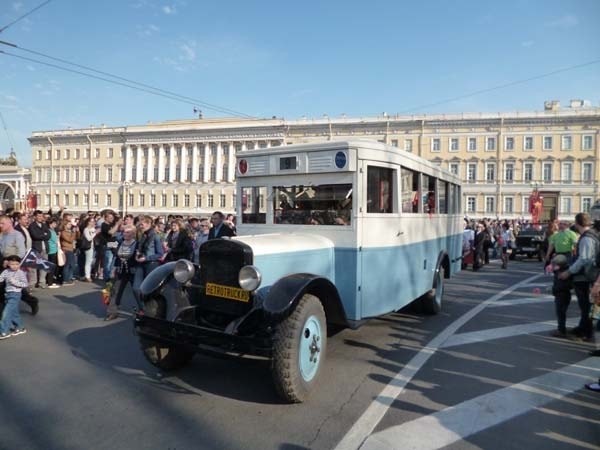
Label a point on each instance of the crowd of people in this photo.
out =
(94, 246)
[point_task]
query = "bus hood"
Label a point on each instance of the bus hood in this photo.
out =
(276, 243)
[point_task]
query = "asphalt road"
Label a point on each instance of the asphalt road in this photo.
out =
(484, 373)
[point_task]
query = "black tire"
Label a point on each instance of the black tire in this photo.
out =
(163, 356)
(431, 302)
(512, 256)
(303, 334)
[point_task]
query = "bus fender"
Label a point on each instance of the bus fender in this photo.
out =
(156, 279)
(285, 294)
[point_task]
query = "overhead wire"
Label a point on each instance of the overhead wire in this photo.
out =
(500, 86)
(24, 15)
(10, 141)
(126, 82)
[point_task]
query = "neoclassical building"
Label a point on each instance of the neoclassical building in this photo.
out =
(188, 166)
(14, 184)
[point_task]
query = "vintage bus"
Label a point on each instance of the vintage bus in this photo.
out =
(329, 234)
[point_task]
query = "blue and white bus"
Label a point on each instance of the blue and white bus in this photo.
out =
(329, 234)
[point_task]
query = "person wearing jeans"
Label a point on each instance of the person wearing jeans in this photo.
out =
(69, 234)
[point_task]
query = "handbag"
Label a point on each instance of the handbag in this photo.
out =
(61, 259)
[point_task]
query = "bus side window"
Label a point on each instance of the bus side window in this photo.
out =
(380, 190)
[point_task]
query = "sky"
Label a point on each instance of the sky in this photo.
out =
(289, 59)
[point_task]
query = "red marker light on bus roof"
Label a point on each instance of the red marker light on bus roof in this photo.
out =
(243, 166)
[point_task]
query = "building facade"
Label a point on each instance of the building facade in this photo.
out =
(188, 166)
(15, 191)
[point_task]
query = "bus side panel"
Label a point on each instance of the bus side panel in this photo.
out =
(394, 276)
(346, 273)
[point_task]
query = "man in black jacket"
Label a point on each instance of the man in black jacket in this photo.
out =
(40, 235)
(220, 228)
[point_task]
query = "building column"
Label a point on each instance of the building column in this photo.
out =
(138, 164)
(231, 163)
(128, 163)
(194, 163)
(183, 163)
(161, 164)
(150, 164)
(219, 163)
(171, 150)
(206, 174)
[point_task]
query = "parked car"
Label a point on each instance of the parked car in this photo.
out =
(531, 242)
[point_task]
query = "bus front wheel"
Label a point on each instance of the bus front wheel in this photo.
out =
(431, 302)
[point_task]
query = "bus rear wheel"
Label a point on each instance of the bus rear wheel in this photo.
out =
(431, 302)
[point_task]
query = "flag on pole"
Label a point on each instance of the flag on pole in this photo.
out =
(33, 260)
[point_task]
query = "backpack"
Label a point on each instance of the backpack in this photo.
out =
(590, 271)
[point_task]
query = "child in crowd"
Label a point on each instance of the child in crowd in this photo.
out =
(15, 280)
(561, 289)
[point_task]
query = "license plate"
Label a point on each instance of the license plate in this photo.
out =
(228, 292)
(528, 249)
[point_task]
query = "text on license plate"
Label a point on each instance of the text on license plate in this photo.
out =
(528, 249)
(231, 293)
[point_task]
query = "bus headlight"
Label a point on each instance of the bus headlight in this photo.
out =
(249, 278)
(184, 271)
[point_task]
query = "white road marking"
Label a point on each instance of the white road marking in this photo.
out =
(502, 332)
(367, 422)
(523, 301)
(470, 417)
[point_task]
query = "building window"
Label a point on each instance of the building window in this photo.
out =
(547, 172)
(163, 200)
(95, 199)
(48, 175)
(142, 200)
(57, 174)
(97, 153)
(509, 172)
(472, 144)
(490, 172)
(152, 200)
(408, 145)
(528, 143)
(86, 153)
(178, 173)
(587, 142)
(189, 172)
(86, 174)
(453, 144)
(250, 145)
(567, 142)
(198, 201)
(470, 204)
(586, 204)
(175, 201)
(130, 199)
(77, 153)
(110, 153)
(567, 172)
(145, 174)
(213, 173)
(109, 174)
(490, 144)
(211, 200)
(38, 175)
(121, 174)
(39, 155)
(435, 145)
(454, 168)
(67, 175)
(57, 199)
(201, 172)
(66, 199)
(547, 142)
(225, 170)
(67, 153)
(490, 205)
(508, 205)
(471, 172)
(48, 155)
(58, 153)
(565, 205)
(166, 174)
(262, 144)
(233, 201)
(186, 200)
(394, 142)
(525, 205)
(155, 174)
(108, 199)
(528, 172)
(509, 144)
(587, 170)
(213, 149)
(76, 175)
(222, 201)
(96, 174)
(75, 199)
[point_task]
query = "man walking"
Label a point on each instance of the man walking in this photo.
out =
(40, 235)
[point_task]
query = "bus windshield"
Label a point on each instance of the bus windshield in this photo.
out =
(325, 204)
